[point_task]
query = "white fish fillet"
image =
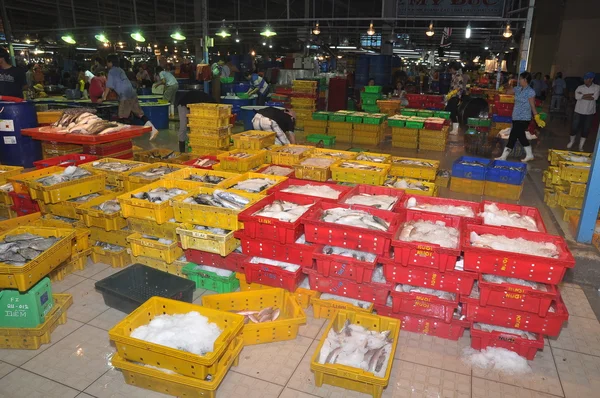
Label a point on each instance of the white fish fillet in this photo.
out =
(516, 245)
(492, 215)
(426, 231)
(321, 191)
(383, 202)
(462, 211)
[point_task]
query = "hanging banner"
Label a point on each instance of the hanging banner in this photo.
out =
(445, 8)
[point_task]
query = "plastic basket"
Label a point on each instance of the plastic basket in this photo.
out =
(426, 305)
(497, 172)
(522, 346)
(167, 230)
(224, 131)
(207, 122)
(22, 201)
(373, 190)
(273, 276)
(28, 309)
(245, 286)
(114, 237)
(505, 191)
(472, 172)
(555, 156)
(7, 225)
(291, 183)
(146, 247)
(133, 182)
(229, 162)
(181, 362)
(359, 176)
(64, 161)
(522, 210)
(99, 219)
(65, 190)
(575, 172)
(26, 276)
(207, 141)
(210, 280)
(175, 268)
(147, 210)
(343, 267)
(113, 177)
(9, 171)
(206, 241)
(575, 189)
(154, 155)
(284, 328)
(230, 184)
(419, 324)
(109, 148)
(321, 232)
(420, 199)
(321, 115)
(295, 253)
(187, 173)
(465, 185)
(314, 173)
(401, 169)
(328, 140)
(516, 265)
(33, 338)
(116, 259)
(305, 296)
(329, 308)
(194, 159)
(279, 157)
(396, 123)
(352, 378)
(175, 384)
(253, 139)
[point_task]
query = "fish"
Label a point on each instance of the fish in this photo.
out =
(19, 249)
(492, 215)
(463, 211)
(318, 162)
(355, 218)
(372, 158)
(85, 198)
(293, 150)
(240, 155)
(154, 173)
(412, 162)
(504, 167)
(514, 245)
(109, 207)
(254, 185)
(70, 173)
(493, 328)
(8, 187)
(207, 178)
(384, 202)
(205, 162)
(268, 314)
(159, 194)
(355, 302)
(514, 281)
(430, 232)
(283, 210)
(115, 166)
(356, 254)
(281, 264)
(219, 198)
(359, 166)
(321, 191)
(277, 170)
(472, 163)
(158, 155)
(109, 246)
(406, 184)
(425, 290)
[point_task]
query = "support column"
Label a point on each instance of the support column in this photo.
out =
(388, 11)
(8, 33)
(591, 201)
(526, 42)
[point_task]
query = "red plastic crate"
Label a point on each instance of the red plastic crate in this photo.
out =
(424, 305)
(211, 157)
(23, 211)
(292, 182)
(431, 200)
(522, 210)
(416, 97)
(74, 159)
(416, 104)
(436, 99)
(126, 155)
(503, 108)
(290, 174)
(343, 267)
(438, 106)
(426, 325)
(363, 239)
(517, 297)
(375, 190)
(295, 253)
(516, 265)
(549, 325)
(523, 347)
(454, 281)
(108, 148)
(284, 90)
(272, 276)
(22, 201)
(433, 126)
(259, 227)
(425, 254)
(376, 293)
(232, 262)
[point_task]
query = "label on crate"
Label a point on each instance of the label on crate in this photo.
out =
(504, 263)
(200, 235)
(508, 339)
(426, 328)
(513, 296)
(146, 243)
(433, 279)
(518, 320)
(264, 221)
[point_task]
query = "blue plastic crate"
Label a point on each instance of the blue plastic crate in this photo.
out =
(502, 119)
(460, 170)
(514, 176)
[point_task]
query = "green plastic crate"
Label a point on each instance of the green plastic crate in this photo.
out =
(337, 117)
(369, 102)
(370, 108)
(26, 310)
(321, 115)
(354, 119)
(396, 123)
(414, 125)
(442, 114)
(372, 89)
(227, 80)
(409, 112)
(485, 122)
(373, 120)
(328, 140)
(210, 280)
(472, 121)
(424, 113)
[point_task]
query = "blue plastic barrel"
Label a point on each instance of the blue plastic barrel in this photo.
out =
(144, 91)
(380, 69)
(361, 76)
(157, 113)
(17, 149)
(237, 103)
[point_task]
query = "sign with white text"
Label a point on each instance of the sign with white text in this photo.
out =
(443, 8)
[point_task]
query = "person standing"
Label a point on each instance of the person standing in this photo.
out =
(191, 97)
(219, 70)
(143, 77)
(539, 86)
(128, 101)
(457, 90)
(258, 85)
(170, 82)
(12, 78)
(280, 121)
(558, 91)
(521, 117)
(97, 67)
(29, 76)
(585, 109)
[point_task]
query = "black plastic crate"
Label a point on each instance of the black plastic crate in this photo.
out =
(128, 289)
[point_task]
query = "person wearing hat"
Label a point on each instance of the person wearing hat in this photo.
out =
(12, 78)
(585, 109)
(282, 122)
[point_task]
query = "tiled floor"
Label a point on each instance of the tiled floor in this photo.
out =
(77, 362)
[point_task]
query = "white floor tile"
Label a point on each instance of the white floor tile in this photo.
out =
(108, 319)
(91, 269)
(579, 334)
(579, 373)
(112, 384)
(87, 302)
(239, 385)
(5, 368)
(67, 283)
(21, 383)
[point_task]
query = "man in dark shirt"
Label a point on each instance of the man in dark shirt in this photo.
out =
(12, 79)
(191, 97)
(280, 121)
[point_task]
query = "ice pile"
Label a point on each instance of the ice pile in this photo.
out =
(254, 185)
(212, 230)
(286, 266)
(321, 191)
(189, 332)
(162, 241)
(283, 210)
(462, 211)
(425, 290)
(277, 170)
(356, 254)
(494, 328)
(496, 359)
(384, 202)
(431, 232)
(344, 299)
(515, 281)
(354, 218)
(378, 276)
(514, 245)
(220, 272)
(406, 184)
(492, 215)
(318, 162)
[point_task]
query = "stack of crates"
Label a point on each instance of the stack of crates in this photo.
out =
(371, 130)
(403, 136)
(389, 107)
(338, 126)
(434, 134)
(505, 179)
(122, 149)
(304, 100)
(210, 130)
(479, 139)
(468, 175)
(566, 181)
(369, 98)
(415, 176)
(51, 149)
(8, 209)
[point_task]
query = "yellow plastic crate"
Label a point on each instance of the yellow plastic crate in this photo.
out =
(413, 171)
(24, 277)
(343, 138)
(207, 122)
(97, 218)
(114, 237)
(566, 200)
(244, 285)
(433, 134)
(113, 177)
(19, 181)
(48, 117)
(576, 189)
(201, 151)
(500, 190)
(7, 225)
(555, 155)
(210, 216)
(134, 182)
(505, 98)
(305, 296)
(278, 156)
(314, 173)
(407, 145)
(568, 213)
(65, 190)
(328, 308)
(78, 261)
(353, 378)
(175, 384)
(430, 191)
(167, 230)
(174, 268)
(317, 124)
(229, 162)
(118, 259)
(33, 338)
(575, 172)
(210, 110)
(433, 147)
(464, 185)
(387, 158)
(253, 139)
(334, 153)
(432, 142)
(340, 126)
(304, 84)
(208, 141)
(212, 131)
(5, 198)
(357, 176)
(184, 175)
(182, 362)
(9, 171)
(405, 139)
(284, 328)
(553, 172)
(146, 247)
(62, 209)
(153, 155)
(6, 212)
(230, 184)
(158, 212)
(206, 241)
(550, 198)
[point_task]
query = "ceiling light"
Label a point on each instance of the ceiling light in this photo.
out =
(105, 44)
(237, 36)
(339, 57)
(507, 32)
(137, 36)
(264, 43)
(513, 44)
(253, 53)
(67, 38)
(101, 37)
(177, 35)
(223, 32)
(429, 32)
(268, 32)
(316, 31)
(371, 31)
(468, 32)
(486, 45)
(270, 45)
(156, 45)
